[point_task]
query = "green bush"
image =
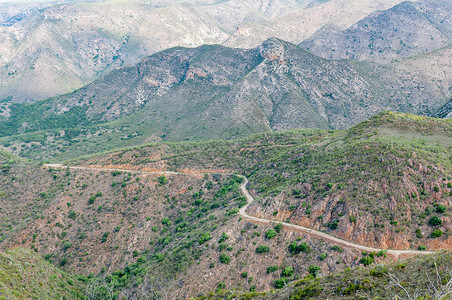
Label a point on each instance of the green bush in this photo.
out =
(162, 180)
(314, 270)
(333, 224)
(244, 274)
(436, 233)
(287, 272)
(295, 248)
(278, 227)
(435, 221)
(271, 233)
(419, 233)
(224, 258)
(367, 260)
(322, 256)
(223, 238)
(422, 248)
(280, 283)
(440, 209)
(262, 249)
(272, 269)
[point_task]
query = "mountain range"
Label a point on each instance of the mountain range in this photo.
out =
(214, 92)
(52, 48)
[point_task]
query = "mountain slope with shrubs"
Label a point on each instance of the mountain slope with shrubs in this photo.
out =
(385, 182)
(415, 278)
(379, 183)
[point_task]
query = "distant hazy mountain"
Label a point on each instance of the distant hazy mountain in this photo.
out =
(407, 29)
(48, 49)
(218, 92)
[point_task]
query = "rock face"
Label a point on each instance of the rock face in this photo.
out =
(407, 29)
(218, 92)
(48, 49)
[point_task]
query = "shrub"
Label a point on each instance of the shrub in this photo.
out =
(165, 220)
(244, 274)
(352, 219)
(437, 233)
(280, 283)
(271, 233)
(440, 209)
(295, 248)
(287, 272)
(419, 233)
(162, 180)
(422, 248)
(223, 238)
(224, 258)
(67, 245)
(314, 270)
(337, 248)
(322, 256)
(435, 221)
(91, 200)
(262, 249)
(278, 227)
(105, 236)
(272, 269)
(72, 215)
(333, 224)
(367, 260)
(204, 238)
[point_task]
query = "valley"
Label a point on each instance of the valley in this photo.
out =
(225, 149)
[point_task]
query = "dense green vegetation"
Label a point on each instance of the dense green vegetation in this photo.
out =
(26, 275)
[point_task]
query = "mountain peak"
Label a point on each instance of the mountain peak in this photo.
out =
(272, 49)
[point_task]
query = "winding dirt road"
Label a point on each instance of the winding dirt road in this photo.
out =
(312, 232)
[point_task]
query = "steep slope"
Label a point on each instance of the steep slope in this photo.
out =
(379, 183)
(54, 48)
(217, 92)
(407, 29)
(137, 233)
(416, 277)
(26, 275)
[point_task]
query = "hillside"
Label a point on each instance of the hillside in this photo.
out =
(407, 29)
(365, 183)
(26, 275)
(56, 47)
(171, 232)
(215, 92)
(427, 276)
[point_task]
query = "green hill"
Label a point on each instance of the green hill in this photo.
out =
(26, 275)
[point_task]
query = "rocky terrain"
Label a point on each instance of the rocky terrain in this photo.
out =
(407, 29)
(214, 92)
(52, 48)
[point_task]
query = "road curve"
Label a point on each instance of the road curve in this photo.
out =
(312, 232)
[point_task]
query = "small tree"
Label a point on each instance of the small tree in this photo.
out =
(435, 221)
(162, 180)
(271, 233)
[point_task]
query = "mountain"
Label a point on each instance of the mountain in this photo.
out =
(214, 92)
(407, 29)
(51, 48)
(26, 275)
